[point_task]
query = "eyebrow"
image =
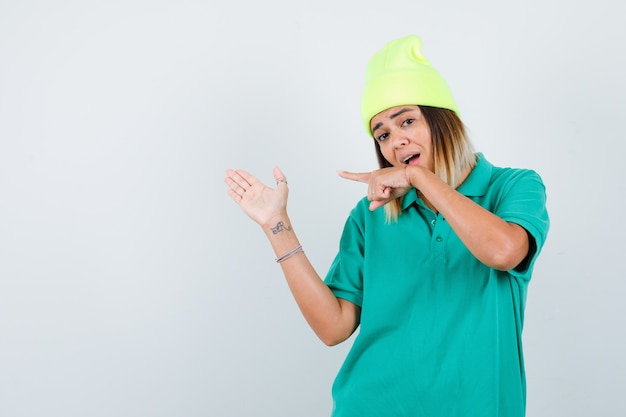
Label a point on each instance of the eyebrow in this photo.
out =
(393, 116)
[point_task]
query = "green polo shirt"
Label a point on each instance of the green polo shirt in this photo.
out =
(440, 332)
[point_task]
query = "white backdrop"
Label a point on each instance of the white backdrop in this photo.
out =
(131, 285)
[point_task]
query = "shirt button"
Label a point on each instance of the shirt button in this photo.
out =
(432, 222)
(438, 238)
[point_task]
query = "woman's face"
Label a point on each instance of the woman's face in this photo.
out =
(404, 136)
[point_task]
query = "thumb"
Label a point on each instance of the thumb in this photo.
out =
(279, 176)
(377, 204)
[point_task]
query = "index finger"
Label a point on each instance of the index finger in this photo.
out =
(241, 177)
(356, 176)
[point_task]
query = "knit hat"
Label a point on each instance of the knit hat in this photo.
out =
(399, 74)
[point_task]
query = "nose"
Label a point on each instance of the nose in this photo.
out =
(398, 139)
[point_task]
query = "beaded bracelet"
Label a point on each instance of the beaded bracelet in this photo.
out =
(289, 254)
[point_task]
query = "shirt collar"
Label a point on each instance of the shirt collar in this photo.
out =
(476, 183)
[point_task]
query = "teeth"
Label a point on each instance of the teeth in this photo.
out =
(408, 158)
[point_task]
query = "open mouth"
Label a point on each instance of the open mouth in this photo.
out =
(410, 158)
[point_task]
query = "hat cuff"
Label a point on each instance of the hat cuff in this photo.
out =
(426, 88)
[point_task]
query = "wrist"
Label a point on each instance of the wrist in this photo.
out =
(415, 175)
(408, 175)
(276, 224)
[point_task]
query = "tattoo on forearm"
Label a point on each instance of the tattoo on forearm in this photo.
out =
(280, 226)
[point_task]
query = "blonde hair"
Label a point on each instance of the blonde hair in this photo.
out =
(452, 149)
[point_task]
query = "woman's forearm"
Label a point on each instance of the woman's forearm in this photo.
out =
(332, 319)
(495, 242)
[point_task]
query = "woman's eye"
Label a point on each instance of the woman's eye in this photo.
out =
(383, 137)
(408, 122)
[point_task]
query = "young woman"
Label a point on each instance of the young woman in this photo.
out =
(433, 265)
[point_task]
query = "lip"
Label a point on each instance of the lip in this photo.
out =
(415, 158)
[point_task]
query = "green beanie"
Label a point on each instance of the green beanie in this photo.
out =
(399, 74)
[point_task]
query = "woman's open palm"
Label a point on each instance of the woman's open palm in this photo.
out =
(260, 202)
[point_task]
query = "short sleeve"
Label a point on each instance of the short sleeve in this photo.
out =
(345, 276)
(523, 202)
